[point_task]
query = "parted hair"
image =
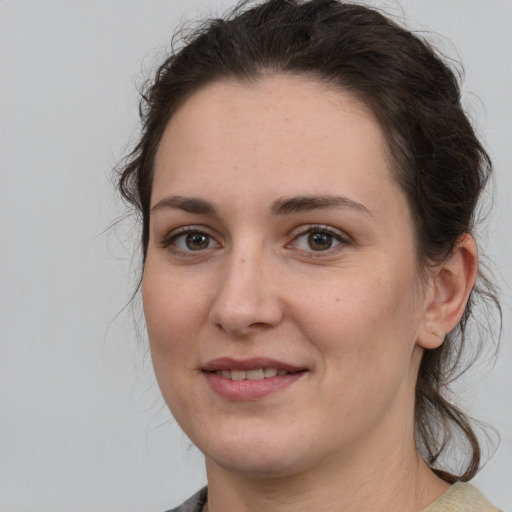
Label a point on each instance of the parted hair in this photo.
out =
(435, 155)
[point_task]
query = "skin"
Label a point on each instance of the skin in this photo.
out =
(355, 316)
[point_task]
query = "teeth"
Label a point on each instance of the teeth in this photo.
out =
(238, 374)
(255, 374)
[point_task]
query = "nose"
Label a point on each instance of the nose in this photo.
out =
(247, 298)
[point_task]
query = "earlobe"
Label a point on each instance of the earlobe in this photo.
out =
(451, 283)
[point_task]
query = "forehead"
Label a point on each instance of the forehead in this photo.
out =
(282, 131)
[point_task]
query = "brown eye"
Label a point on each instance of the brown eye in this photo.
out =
(197, 241)
(319, 241)
(191, 241)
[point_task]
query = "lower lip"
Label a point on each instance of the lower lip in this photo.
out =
(249, 389)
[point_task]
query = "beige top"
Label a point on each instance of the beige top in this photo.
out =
(462, 497)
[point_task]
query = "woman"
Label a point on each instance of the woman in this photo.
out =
(308, 181)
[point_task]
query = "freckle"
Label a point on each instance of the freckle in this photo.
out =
(242, 260)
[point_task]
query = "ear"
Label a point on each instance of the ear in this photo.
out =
(450, 285)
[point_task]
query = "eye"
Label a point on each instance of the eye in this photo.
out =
(318, 239)
(189, 240)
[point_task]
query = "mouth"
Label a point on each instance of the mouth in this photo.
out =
(254, 374)
(250, 379)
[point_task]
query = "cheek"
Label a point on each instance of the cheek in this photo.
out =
(174, 310)
(367, 320)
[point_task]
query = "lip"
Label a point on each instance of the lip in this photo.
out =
(228, 363)
(249, 390)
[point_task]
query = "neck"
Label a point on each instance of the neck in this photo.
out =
(396, 483)
(380, 471)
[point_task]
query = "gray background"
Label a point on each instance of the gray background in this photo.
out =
(82, 426)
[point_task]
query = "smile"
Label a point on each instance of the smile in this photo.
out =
(256, 374)
(252, 379)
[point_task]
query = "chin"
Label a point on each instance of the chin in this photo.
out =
(258, 463)
(262, 453)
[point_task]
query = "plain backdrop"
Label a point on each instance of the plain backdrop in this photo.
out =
(82, 424)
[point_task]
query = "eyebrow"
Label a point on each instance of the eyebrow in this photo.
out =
(288, 205)
(188, 204)
(282, 206)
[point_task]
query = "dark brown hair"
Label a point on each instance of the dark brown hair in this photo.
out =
(437, 159)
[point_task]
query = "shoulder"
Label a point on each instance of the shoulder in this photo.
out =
(462, 497)
(193, 504)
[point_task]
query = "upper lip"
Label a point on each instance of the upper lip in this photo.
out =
(229, 363)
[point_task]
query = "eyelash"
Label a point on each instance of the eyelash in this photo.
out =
(339, 237)
(171, 239)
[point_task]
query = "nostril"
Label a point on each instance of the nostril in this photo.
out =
(244, 301)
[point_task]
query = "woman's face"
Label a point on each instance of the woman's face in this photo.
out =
(281, 290)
